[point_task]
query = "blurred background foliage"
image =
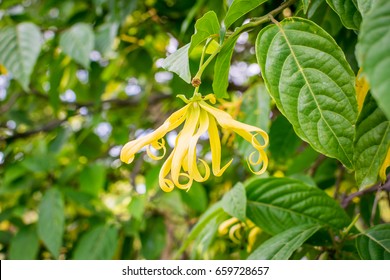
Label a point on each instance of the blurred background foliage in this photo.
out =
(98, 82)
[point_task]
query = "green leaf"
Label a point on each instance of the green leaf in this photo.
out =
(234, 202)
(374, 244)
(137, 207)
(373, 52)
(153, 239)
(222, 67)
(20, 46)
(364, 6)
(51, 221)
(348, 12)
(205, 27)
(277, 204)
(240, 8)
(25, 244)
(92, 179)
(105, 36)
(178, 63)
(305, 4)
(312, 83)
(371, 144)
(78, 43)
(283, 245)
(99, 243)
(197, 198)
(324, 16)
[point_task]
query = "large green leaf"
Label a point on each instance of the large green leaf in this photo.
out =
(92, 179)
(78, 43)
(374, 244)
(240, 8)
(313, 85)
(283, 245)
(105, 36)
(373, 52)
(234, 202)
(364, 6)
(153, 239)
(277, 204)
(25, 244)
(20, 46)
(99, 243)
(178, 63)
(371, 144)
(348, 12)
(222, 67)
(205, 27)
(52, 220)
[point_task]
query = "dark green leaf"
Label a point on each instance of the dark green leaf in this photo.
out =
(178, 63)
(78, 43)
(196, 198)
(153, 239)
(348, 12)
(283, 245)
(51, 221)
(92, 179)
(25, 244)
(373, 52)
(371, 143)
(234, 202)
(240, 8)
(324, 16)
(99, 243)
(312, 84)
(19, 49)
(374, 244)
(205, 27)
(277, 204)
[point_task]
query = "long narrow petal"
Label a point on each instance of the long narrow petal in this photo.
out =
(166, 184)
(128, 151)
(181, 147)
(193, 170)
(215, 146)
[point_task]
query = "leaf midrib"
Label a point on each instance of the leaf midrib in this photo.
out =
(377, 242)
(311, 92)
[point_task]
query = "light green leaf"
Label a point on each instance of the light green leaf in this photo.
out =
(277, 204)
(78, 43)
(222, 67)
(105, 36)
(348, 12)
(373, 52)
(52, 221)
(374, 244)
(313, 85)
(371, 144)
(178, 63)
(92, 179)
(283, 245)
(234, 202)
(24, 245)
(99, 243)
(20, 46)
(364, 6)
(205, 27)
(305, 4)
(240, 8)
(137, 207)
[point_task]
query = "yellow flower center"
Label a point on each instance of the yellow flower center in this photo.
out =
(181, 167)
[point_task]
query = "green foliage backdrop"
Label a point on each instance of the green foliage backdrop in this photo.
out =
(78, 79)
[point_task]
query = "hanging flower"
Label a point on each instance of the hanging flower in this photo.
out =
(181, 167)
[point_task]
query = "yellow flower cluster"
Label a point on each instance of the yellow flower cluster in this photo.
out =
(181, 167)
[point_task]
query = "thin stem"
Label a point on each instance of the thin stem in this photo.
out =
(255, 23)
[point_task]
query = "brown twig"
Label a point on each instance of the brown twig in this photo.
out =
(378, 187)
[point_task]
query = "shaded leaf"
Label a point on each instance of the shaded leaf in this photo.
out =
(348, 12)
(312, 84)
(25, 244)
(283, 245)
(99, 243)
(373, 52)
(20, 46)
(234, 202)
(205, 27)
(178, 63)
(78, 43)
(240, 8)
(51, 221)
(371, 144)
(374, 244)
(153, 239)
(92, 179)
(277, 204)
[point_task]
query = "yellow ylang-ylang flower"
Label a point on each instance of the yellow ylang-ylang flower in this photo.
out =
(181, 167)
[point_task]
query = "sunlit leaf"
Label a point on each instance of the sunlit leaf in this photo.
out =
(312, 84)
(178, 63)
(20, 46)
(373, 52)
(205, 27)
(240, 8)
